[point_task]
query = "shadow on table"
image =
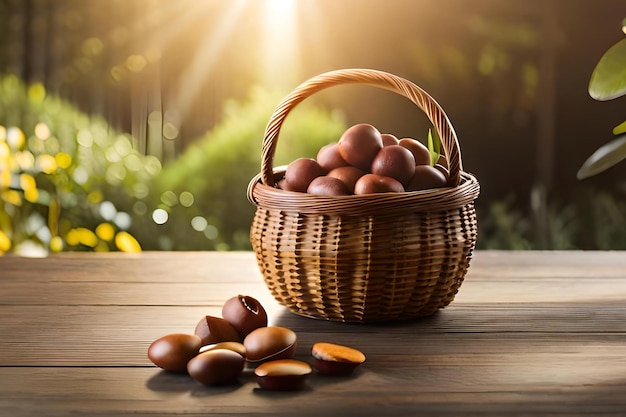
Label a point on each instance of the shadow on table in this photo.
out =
(170, 382)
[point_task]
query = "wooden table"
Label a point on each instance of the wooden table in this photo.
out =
(530, 333)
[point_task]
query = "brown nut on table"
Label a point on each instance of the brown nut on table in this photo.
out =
(282, 374)
(244, 313)
(234, 346)
(216, 367)
(216, 329)
(270, 343)
(332, 359)
(172, 352)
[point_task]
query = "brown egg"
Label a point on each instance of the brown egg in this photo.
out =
(389, 139)
(328, 157)
(244, 313)
(418, 149)
(284, 185)
(173, 351)
(443, 170)
(394, 161)
(359, 145)
(216, 367)
(215, 329)
(234, 346)
(372, 183)
(327, 186)
(270, 343)
(348, 175)
(301, 172)
(333, 359)
(283, 374)
(426, 177)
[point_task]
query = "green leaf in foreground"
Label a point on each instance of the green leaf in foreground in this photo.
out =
(604, 158)
(608, 80)
(434, 146)
(619, 129)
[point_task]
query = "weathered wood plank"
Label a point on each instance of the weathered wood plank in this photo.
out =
(418, 390)
(473, 291)
(120, 335)
(181, 267)
(147, 267)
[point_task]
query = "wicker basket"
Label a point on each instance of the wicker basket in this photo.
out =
(364, 258)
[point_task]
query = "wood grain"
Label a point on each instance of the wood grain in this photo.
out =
(530, 333)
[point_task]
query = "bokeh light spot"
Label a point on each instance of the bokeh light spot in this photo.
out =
(37, 92)
(132, 161)
(80, 175)
(95, 197)
(63, 160)
(42, 131)
(141, 190)
(170, 131)
(92, 46)
(160, 216)
(84, 138)
(15, 137)
(186, 199)
(123, 220)
(211, 232)
(136, 63)
(111, 155)
(140, 208)
(169, 198)
(25, 160)
(107, 210)
(199, 223)
(46, 163)
(115, 174)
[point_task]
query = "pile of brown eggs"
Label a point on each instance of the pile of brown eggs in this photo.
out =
(222, 347)
(365, 161)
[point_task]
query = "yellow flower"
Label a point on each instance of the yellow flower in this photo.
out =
(105, 231)
(5, 242)
(63, 160)
(126, 242)
(81, 235)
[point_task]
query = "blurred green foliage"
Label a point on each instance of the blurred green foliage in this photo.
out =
(591, 219)
(202, 194)
(66, 180)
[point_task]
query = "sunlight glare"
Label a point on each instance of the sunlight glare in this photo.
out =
(280, 52)
(203, 63)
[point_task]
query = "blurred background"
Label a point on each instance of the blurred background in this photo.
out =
(137, 124)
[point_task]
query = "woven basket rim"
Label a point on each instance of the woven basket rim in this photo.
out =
(436, 199)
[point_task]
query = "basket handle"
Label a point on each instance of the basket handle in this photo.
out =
(419, 97)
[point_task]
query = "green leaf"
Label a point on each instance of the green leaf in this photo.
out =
(434, 146)
(619, 129)
(608, 80)
(604, 158)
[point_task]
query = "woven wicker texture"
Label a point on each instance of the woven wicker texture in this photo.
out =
(364, 258)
